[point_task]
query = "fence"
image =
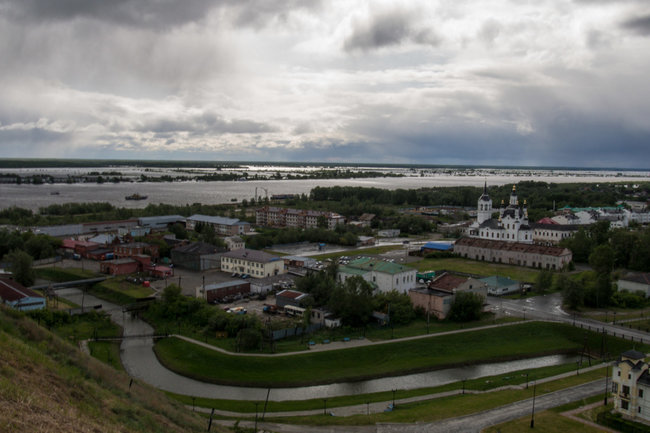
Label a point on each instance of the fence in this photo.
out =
(291, 332)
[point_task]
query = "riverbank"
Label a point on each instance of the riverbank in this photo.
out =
(380, 360)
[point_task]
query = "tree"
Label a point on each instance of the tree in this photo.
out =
(401, 307)
(466, 307)
(179, 230)
(21, 267)
(544, 280)
(352, 301)
(572, 293)
(602, 259)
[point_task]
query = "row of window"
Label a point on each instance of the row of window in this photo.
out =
(489, 234)
(242, 262)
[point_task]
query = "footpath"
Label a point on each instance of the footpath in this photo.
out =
(338, 345)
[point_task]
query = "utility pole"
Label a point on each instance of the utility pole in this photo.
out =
(532, 416)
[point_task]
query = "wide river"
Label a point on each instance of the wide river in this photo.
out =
(32, 197)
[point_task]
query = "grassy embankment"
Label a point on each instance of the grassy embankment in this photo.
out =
(59, 274)
(487, 383)
(526, 340)
(48, 385)
(446, 407)
(119, 291)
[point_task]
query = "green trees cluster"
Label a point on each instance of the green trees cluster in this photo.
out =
(466, 307)
(354, 300)
(19, 250)
(197, 315)
(630, 247)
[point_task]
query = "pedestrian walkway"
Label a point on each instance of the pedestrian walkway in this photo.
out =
(338, 345)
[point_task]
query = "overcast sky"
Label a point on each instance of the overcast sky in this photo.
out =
(505, 82)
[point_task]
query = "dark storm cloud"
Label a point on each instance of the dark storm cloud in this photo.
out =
(146, 13)
(639, 25)
(387, 29)
(152, 13)
(205, 124)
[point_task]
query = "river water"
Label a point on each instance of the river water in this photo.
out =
(141, 363)
(180, 193)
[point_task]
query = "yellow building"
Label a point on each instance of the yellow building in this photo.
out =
(631, 386)
(257, 264)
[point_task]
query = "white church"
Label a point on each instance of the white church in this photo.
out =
(511, 226)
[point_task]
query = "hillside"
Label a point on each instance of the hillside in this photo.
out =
(48, 385)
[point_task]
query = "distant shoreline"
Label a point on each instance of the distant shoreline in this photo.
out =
(9, 163)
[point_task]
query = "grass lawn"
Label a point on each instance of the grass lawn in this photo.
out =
(525, 340)
(547, 421)
(481, 384)
(618, 314)
(107, 352)
(476, 267)
(58, 275)
(120, 291)
(447, 407)
(552, 421)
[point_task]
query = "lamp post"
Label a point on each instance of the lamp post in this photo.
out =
(324, 406)
(532, 416)
(393, 399)
(606, 383)
(256, 404)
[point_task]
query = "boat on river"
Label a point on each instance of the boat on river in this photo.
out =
(136, 196)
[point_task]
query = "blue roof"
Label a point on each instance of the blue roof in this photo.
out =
(440, 246)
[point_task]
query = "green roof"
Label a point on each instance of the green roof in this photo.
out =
(496, 281)
(368, 264)
(351, 271)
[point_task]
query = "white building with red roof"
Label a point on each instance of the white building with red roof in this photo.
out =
(20, 297)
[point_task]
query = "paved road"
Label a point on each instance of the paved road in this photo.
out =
(549, 307)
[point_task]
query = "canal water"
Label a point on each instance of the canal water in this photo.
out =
(141, 363)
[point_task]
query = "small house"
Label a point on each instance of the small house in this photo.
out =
(19, 297)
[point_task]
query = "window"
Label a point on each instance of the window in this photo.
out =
(624, 404)
(629, 376)
(640, 393)
(626, 389)
(619, 374)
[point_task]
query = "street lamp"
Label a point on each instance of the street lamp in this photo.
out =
(324, 406)
(606, 383)
(532, 416)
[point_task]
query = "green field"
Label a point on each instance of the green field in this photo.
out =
(476, 267)
(57, 275)
(525, 340)
(120, 291)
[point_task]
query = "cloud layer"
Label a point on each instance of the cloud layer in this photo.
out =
(492, 82)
